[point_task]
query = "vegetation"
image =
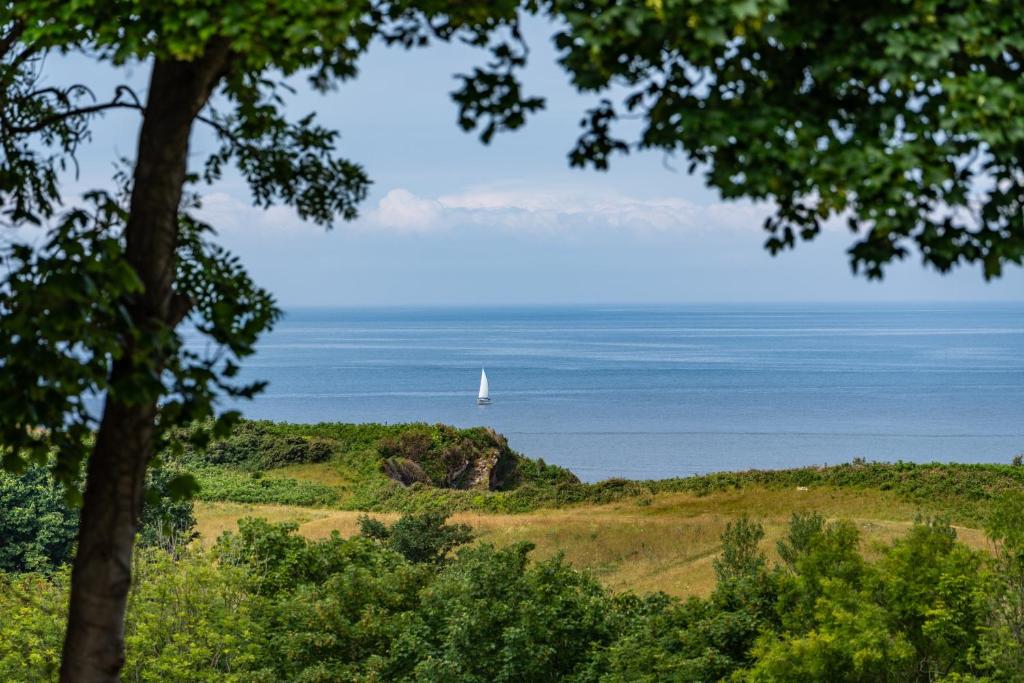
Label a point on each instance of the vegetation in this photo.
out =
(418, 538)
(422, 598)
(261, 462)
(346, 466)
(38, 527)
(405, 602)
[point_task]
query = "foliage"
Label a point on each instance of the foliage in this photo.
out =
(168, 521)
(192, 620)
(899, 118)
(492, 615)
(242, 487)
(232, 467)
(266, 604)
(331, 604)
(419, 538)
(38, 527)
(917, 614)
(64, 321)
(962, 491)
(258, 445)
(32, 626)
(1003, 639)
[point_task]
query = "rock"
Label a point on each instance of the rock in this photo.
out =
(447, 457)
(405, 471)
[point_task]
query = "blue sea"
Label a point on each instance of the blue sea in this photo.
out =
(652, 392)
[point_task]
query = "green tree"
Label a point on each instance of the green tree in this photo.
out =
(1003, 637)
(491, 615)
(849, 640)
(901, 118)
(933, 590)
(330, 605)
(917, 614)
(425, 537)
(38, 526)
(96, 310)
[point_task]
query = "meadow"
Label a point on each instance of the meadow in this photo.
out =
(632, 535)
(665, 542)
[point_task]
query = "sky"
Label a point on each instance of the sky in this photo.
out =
(450, 221)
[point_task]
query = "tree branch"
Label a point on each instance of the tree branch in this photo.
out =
(11, 37)
(48, 121)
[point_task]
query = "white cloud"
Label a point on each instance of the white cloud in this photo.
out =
(507, 208)
(228, 214)
(545, 210)
(402, 211)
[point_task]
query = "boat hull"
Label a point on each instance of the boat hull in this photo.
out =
(483, 401)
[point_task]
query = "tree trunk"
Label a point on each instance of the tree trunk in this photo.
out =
(115, 480)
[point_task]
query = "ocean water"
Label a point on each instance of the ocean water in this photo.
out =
(651, 392)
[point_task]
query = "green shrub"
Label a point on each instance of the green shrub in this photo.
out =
(242, 487)
(420, 538)
(268, 605)
(261, 445)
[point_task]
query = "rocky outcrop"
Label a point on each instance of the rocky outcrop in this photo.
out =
(447, 457)
(405, 471)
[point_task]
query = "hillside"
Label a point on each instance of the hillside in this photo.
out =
(637, 535)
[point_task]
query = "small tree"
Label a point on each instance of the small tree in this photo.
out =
(1004, 639)
(421, 538)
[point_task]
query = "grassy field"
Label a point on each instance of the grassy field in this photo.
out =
(637, 535)
(665, 541)
(343, 467)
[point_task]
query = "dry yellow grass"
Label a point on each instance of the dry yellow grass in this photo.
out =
(664, 543)
(213, 519)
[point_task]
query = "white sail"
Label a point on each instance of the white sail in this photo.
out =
(484, 394)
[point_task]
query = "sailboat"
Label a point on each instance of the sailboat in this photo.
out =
(484, 397)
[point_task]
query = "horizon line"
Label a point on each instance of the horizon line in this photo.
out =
(655, 304)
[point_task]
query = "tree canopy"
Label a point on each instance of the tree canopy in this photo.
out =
(901, 118)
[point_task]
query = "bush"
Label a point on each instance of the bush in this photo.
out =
(243, 487)
(32, 626)
(255, 446)
(419, 538)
